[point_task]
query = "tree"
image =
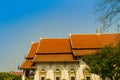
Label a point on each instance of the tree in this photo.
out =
(105, 62)
(108, 12)
(7, 76)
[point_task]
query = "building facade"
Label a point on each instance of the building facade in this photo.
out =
(60, 58)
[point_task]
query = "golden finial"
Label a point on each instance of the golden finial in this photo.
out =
(97, 30)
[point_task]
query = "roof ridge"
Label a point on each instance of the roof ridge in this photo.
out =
(94, 33)
(54, 38)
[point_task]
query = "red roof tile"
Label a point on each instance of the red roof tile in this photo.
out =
(83, 52)
(54, 58)
(27, 65)
(60, 50)
(107, 39)
(16, 73)
(32, 50)
(54, 46)
(92, 40)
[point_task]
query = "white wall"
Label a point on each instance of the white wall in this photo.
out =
(64, 68)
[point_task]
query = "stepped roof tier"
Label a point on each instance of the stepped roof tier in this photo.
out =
(83, 44)
(28, 64)
(54, 45)
(66, 49)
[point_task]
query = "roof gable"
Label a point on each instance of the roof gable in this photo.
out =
(32, 50)
(54, 45)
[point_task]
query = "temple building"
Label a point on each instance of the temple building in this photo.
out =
(60, 58)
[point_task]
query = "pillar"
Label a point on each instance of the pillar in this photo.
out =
(23, 76)
(36, 76)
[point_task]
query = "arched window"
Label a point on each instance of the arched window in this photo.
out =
(87, 74)
(72, 74)
(57, 74)
(42, 74)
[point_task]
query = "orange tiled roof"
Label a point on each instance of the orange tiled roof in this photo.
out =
(32, 50)
(83, 52)
(92, 40)
(107, 39)
(54, 46)
(54, 58)
(89, 43)
(16, 73)
(27, 65)
(60, 50)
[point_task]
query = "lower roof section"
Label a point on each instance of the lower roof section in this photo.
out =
(28, 64)
(83, 52)
(54, 58)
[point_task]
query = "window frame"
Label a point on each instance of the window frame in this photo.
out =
(72, 73)
(42, 73)
(57, 73)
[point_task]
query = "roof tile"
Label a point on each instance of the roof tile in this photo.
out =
(54, 46)
(92, 40)
(27, 65)
(32, 50)
(54, 58)
(83, 52)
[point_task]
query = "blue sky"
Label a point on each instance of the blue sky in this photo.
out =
(23, 21)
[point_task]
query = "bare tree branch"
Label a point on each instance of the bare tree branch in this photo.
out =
(108, 13)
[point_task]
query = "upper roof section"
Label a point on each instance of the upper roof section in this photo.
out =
(54, 45)
(92, 40)
(32, 51)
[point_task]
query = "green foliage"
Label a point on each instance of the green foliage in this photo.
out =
(7, 76)
(105, 62)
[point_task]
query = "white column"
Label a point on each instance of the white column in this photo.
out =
(23, 76)
(48, 74)
(78, 74)
(36, 77)
(64, 74)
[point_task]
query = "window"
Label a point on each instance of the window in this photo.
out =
(42, 74)
(72, 74)
(57, 78)
(86, 70)
(42, 78)
(87, 73)
(57, 74)
(72, 78)
(87, 78)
